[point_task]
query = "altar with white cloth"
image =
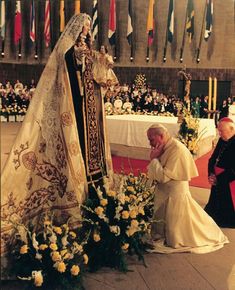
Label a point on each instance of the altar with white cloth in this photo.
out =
(127, 134)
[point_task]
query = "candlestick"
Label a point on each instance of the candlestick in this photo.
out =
(210, 93)
(215, 94)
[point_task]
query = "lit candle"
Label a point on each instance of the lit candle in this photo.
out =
(215, 94)
(210, 93)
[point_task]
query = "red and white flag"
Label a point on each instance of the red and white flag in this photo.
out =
(47, 28)
(18, 23)
(112, 23)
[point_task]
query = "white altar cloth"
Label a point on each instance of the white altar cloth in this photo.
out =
(130, 130)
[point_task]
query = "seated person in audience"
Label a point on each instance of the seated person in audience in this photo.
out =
(147, 105)
(137, 104)
(170, 106)
(118, 105)
(221, 176)
(108, 106)
(155, 106)
(179, 222)
(18, 86)
(4, 99)
(127, 106)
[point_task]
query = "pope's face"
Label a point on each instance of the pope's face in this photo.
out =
(154, 140)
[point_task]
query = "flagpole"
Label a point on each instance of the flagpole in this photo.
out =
(183, 40)
(147, 54)
(201, 35)
(19, 54)
(165, 46)
(3, 45)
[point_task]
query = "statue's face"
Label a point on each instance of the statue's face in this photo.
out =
(87, 27)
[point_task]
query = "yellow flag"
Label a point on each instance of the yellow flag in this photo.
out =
(77, 6)
(62, 15)
(150, 16)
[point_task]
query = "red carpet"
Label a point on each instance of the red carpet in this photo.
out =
(127, 165)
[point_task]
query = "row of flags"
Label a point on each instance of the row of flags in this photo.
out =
(189, 23)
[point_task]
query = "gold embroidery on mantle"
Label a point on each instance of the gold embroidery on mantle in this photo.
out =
(93, 138)
(18, 153)
(66, 119)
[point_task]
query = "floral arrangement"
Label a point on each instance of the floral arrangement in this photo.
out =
(13, 109)
(189, 131)
(50, 258)
(140, 81)
(117, 220)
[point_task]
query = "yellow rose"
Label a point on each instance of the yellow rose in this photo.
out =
(57, 230)
(68, 256)
(125, 246)
(127, 198)
(24, 249)
(55, 256)
(73, 234)
(104, 202)
(99, 210)
(111, 193)
(96, 237)
(43, 247)
(130, 188)
(63, 252)
(125, 214)
(134, 223)
(65, 226)
(38, 278)
(75, 270)
(78, 247)
(86, 259)
(132, 196)
(53, 247)
(47, 223)
(132, 180)
(133, 214)
(130, 232)
(61, 267)
(141, 211)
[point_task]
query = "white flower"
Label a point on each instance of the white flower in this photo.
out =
(118, 210)
(99, 193)
(115, 229)
(53, 238)
(64, 241)
(34, 241)
(106, 183)
(121, 197)
(38, 256)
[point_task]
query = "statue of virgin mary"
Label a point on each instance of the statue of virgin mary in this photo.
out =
(61, 147)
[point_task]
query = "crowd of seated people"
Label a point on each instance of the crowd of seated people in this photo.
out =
(130, 99)
(118, 100)
(15, 98)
